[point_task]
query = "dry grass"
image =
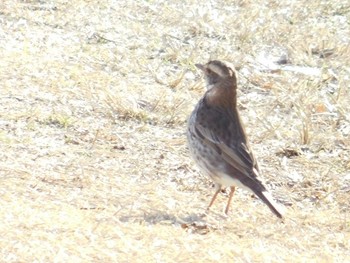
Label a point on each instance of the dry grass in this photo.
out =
(94, 100)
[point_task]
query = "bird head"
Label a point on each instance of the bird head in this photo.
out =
(216, 71)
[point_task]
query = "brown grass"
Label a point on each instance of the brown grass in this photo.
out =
(94, 100)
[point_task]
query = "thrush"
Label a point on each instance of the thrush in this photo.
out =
(217, 140)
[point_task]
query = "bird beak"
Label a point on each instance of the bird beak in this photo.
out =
(200, 66)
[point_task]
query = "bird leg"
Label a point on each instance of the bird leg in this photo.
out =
(229, 199)
(218, 189)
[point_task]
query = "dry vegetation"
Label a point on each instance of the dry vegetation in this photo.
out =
(94, 99)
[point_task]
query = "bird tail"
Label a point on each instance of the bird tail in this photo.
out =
(266, 197)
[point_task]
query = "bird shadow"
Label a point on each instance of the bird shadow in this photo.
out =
(162, 217)
(198, 223)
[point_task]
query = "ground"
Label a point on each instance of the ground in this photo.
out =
(94, 100)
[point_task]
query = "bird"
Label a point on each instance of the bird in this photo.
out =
(217, 140)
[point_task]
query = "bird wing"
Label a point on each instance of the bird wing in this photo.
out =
(227, 139)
